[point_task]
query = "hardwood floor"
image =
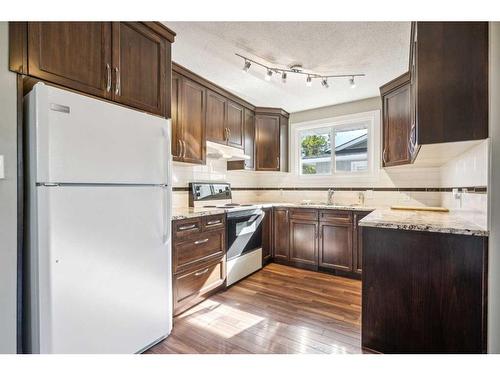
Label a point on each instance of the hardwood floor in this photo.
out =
(276, 310)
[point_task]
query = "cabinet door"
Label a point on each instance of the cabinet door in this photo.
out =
(304, 241)
(216, 118)
(267, 235)
(335, 246)
(267, 142)
(193, 122)
(249, 138)
(234, 124)
(139, 67)
(281, 233)
(72, 54)
(397, 126)
(357, 242)
(176, 123)
(283, 164)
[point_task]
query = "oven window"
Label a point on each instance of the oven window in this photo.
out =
(244, 234)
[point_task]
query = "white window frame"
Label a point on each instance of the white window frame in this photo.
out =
(339, 123)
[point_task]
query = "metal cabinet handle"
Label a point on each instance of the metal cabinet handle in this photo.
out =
(199, 242)
(214, 222)
(108, 78)
(118, 81)
(411, 142)
(186, 227)
(201, 272)
(384, 154)
(228, 134)
(183, 148)
(278, 161)
(180, 148)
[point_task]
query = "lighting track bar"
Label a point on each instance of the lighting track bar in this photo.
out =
(283, 72)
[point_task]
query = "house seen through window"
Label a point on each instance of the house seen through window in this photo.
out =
(335, 149)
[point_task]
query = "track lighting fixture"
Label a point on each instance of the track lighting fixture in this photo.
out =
(268, 75)
(297, 69)
(246, 66)
(352, 83)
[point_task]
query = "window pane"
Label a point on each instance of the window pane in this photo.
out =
(315, 151)
(351, 150)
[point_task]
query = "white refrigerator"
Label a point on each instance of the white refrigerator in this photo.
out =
(98, 244)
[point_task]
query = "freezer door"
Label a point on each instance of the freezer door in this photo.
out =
(104, 269)
(77, 139)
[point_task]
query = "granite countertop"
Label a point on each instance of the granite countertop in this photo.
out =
(440, 222)
(189, 212)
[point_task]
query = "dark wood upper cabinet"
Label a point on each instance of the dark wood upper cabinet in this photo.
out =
(72, 54)
(267, 139)
(216, 117)
(267, 235)
(444, 95)
(139, 67)
(176, 111)
(235, 124)
(249, 148)
(271, 139)
(126, 62)
(193, 122)
(335, 246)
(281, 233)
(304, 242)
(396, 119)
(452, 81)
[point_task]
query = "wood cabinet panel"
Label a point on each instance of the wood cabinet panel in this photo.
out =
(185, 228)
(335, 246)
(191, 286)
(176, 112)
(396, 126)
(424, 292)
(267, 138)
(267, 235)
(72, 54)
(193, 122)
(357, 242)
(213, 222)
(249, 138)
(235, 124)
(281, 233)
(304, 241)
(304, 213)
(198, 248)
(139, 67)
(216, 117)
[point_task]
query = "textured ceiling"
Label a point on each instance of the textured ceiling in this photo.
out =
(378, 49)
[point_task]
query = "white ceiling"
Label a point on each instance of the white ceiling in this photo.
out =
(378, 49)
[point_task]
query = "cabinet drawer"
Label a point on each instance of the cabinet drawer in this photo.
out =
(198, 248)
(213, 222)
(304, 213)
(185, 228)
(335, 216)
(190, 286)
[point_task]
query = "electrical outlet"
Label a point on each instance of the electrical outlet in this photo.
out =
(2, 168)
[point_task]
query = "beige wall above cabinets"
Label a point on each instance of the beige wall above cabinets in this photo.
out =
(8, 200)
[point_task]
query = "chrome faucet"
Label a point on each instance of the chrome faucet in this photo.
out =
(329, 200)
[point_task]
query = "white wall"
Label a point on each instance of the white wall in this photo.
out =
(8, 200)
(494, 194)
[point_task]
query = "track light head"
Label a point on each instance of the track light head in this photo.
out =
(268, 75)
(246, 66)
(324, 83)
(352, 83)
(283, 77)
(308, 81)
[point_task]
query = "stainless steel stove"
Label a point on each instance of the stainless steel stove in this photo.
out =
(243, 227)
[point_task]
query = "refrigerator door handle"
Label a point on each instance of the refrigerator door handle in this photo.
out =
(166, 211)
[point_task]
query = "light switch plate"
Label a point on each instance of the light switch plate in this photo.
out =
(2, 168)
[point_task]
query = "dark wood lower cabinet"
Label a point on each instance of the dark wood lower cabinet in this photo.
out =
(304, 242)
(423, 292)
(335, 246)
(357, 241)
(267, 235)
(281, 234)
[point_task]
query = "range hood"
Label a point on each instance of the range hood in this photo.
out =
(218, 151)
